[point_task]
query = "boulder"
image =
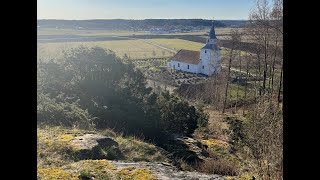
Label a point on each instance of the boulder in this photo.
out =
(94, 146)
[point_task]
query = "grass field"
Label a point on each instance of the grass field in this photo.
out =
(178, 44)
(85, 32)
(53, 31)
(219, 31)
(135, 49)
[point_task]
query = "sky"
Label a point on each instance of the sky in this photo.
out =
(144, 9)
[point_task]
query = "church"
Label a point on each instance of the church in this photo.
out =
(206, 62)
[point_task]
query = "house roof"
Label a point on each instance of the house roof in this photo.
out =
(187, 56)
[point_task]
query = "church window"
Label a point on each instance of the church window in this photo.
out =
(202, 67)
(178, 64)
(188, 66)
(205, 51)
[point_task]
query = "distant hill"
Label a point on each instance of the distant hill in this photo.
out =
(147, 24)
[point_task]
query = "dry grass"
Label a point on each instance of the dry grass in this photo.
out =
(135, 49)
(178, 44)
(216, 129)
(218, 166)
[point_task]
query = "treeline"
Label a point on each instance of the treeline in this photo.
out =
(146, 24)
(92, 88)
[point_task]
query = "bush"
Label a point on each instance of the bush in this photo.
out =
(93, 82)
(218, 166)
(177, 116)
(54, 113)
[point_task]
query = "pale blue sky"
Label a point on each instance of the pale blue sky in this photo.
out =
(143, 9)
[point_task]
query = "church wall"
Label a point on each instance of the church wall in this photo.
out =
(205, 58)
(193, 68)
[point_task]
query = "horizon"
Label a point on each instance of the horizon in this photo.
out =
(143, 9)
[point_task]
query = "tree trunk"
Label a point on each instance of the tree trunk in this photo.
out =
(227, 86)
(274, 61)
(280, 85)
(240, 78)
(245, 89)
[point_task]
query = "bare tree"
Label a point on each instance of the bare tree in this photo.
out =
(260, 30)
(235, 39)
(264, 138)
(238, 82)
(246, 85)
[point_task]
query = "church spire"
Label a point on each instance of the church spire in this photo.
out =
(212, 33)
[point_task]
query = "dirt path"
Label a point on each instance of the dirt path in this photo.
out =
(166, 172)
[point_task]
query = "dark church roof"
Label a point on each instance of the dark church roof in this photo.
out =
(211, 46)
(212, 33)
(187, 56)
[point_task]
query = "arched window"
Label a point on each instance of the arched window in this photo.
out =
(205, 51)
(188, 66)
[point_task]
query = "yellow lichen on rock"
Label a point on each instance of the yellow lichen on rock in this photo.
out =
(242, 177)
(132, 173)
(65, 137)
(54, 173)
(96, 164)
(215, 143)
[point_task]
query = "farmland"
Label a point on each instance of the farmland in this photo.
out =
(135, 49)
(53, 31)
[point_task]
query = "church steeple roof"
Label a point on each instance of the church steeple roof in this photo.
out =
(211, 42)
(212, 33)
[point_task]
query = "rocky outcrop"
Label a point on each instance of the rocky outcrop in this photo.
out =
(195, 146)
(167, 172)
(94, 146)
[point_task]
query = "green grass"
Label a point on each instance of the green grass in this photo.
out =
(135, 49)
(53, 31)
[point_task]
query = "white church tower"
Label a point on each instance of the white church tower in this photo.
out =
(210, 55)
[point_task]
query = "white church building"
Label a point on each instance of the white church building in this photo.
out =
(207, 61)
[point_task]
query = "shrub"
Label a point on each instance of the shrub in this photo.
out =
(93, 82)
(51, 112)
(218, 166)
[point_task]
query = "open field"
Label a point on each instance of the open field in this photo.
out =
(53, 31)
(135, 49)
(219, 31)
(88, 32)
(178, 44)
